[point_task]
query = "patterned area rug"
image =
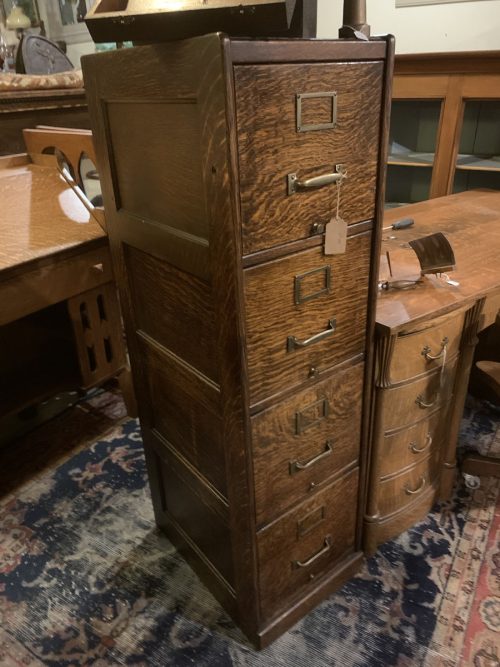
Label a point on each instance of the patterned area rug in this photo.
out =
(87, 579)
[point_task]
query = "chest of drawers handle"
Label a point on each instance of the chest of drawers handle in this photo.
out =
(418, 450)
(292, 342)
(327, 545)
(426, 352)
(294, 184)
(413, 492)
(297, 466)
(421, 401)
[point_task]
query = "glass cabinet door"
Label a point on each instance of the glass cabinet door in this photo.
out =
(412, 148)
(478, 159)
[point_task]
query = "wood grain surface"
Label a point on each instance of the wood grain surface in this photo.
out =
(405, 403)
(297, 430)
(471, 222)
(272, 316)
(413, 351)
(298, 536)
(270, 148)
(203, 329)
(400, 490)
(381, 530)
(409, 446)
(186, 412)
(41, 216)
(174, 308)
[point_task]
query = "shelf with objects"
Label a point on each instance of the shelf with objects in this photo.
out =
(445, 125)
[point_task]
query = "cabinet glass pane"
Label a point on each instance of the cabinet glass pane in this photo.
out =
(412, 147)
(478, 160)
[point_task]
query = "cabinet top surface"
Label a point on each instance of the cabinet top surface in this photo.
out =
(471, 223)
(41, 215)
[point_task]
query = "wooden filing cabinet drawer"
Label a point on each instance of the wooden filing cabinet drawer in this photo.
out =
(299, 443)
(279, 110)
(408, 447)
(425, 349)
(306, 542)
(410, 402)
(305, 313)
(399, 490)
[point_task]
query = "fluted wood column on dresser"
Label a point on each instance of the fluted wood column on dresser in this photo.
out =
(222, 161)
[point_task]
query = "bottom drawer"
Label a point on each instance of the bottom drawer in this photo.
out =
(305, 543)
(399, 490)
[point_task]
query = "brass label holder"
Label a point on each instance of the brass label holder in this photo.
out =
(302, 127)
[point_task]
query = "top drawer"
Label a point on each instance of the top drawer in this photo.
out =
(339, 105)
(427, 348)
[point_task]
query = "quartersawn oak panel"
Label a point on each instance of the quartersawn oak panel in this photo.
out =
(272, 316)
(185, 410)
(174, 308)
(270, 147)
(297, 430)
(148, 186)
(207, 526)
(299, 535)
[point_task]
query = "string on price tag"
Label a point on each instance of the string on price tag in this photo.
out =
(336, 228)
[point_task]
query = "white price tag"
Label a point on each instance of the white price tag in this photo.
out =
(335, 236)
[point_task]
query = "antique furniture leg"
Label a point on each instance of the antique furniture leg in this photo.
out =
(469, 341)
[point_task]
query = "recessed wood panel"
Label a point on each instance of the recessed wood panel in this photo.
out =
(156, 157)
(174, 308)
(185, 411)
(184, 501)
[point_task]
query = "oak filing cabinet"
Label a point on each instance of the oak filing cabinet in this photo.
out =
(249, 344)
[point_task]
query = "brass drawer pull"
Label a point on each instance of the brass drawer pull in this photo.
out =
(295, 185)
(296, 466)
(421, 401)
(413, 492)
(418, 450)
(292, 342)
(426, 352)
(327, 545)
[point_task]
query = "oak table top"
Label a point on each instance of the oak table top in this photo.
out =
(41, 217)
(471, 223)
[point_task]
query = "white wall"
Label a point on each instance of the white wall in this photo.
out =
(456, 26)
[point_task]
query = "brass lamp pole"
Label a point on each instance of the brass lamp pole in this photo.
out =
(354, 20)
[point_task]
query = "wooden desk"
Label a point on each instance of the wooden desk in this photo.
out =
(425, 340)
(59, 318)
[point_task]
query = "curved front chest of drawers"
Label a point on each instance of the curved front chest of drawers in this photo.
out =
(414, 384)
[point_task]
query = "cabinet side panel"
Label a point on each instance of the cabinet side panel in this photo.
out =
(159, 120)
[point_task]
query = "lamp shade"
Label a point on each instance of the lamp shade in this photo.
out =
(17, 19)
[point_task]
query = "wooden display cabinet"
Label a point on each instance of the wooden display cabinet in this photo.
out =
(445, 126)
